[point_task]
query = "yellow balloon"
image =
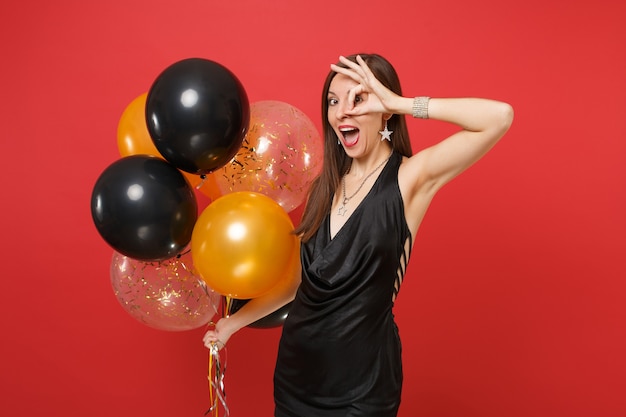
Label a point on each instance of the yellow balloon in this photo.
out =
(243, 244)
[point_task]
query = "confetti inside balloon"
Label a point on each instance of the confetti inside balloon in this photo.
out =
(165, 295)
(280, 156)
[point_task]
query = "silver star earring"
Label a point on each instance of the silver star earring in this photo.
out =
(386, 134)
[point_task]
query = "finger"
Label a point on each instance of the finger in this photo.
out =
(352, 69)
(345, 71)
(209, 342)
(215, 343)
(358, 67)
(356, 111)
(353, 106)
(367, 72)
(351, 99)
(350, 64)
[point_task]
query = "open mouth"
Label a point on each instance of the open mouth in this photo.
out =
(350, 135)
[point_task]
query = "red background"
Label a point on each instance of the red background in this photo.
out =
(513, 304)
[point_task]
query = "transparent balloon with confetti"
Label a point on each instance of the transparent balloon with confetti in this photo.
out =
(165, 295)
(280, 156)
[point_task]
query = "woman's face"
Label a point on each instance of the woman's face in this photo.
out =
(357, 134)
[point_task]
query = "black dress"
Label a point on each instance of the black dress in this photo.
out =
(340, 353)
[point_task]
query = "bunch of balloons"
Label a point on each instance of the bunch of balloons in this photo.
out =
(194, 130)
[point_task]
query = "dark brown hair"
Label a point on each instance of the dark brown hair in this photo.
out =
(336, 162)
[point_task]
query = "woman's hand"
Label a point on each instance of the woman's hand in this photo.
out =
(377, 97)
(255, 309)
(219, 335)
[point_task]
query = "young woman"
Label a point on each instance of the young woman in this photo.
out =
(340, 352)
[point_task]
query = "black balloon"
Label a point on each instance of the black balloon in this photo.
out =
(144, 208)
(197, 113)
(275, 319)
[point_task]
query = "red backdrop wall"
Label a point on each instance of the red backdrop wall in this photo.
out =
(513, 304)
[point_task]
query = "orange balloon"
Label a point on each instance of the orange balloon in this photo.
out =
(293, 267)
(208, 186)
(242, 244)
(133, 137)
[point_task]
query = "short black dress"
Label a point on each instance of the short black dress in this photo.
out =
(340, 352)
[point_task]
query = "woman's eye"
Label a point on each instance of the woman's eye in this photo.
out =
(332, 101)
(358, 99)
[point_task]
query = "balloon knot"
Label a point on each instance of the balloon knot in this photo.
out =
(202, 181)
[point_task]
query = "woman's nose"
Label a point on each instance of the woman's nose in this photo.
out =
(340, 110)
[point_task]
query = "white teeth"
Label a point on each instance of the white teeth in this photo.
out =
(347, 129)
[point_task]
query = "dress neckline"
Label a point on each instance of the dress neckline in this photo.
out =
(330, 236)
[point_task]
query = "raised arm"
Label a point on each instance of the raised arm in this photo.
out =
(482, 122)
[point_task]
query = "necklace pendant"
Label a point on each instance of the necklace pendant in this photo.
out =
(342, 209)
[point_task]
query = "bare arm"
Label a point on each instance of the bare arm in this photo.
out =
(254, 310)
(483, 122)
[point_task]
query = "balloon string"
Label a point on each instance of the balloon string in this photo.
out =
(216, 373)
(228, 301)
(217, 369)
(208, 291)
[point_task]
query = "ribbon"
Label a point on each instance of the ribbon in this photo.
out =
(217, 371)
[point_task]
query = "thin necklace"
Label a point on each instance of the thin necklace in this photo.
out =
(342, 209)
